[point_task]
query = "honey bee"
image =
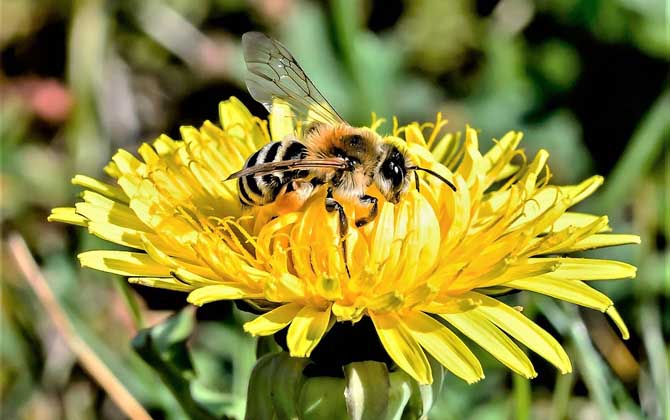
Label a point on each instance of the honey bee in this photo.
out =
(331, 153)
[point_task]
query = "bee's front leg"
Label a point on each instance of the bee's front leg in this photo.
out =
(331, 206)
(371, 201)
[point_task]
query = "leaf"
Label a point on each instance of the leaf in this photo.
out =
(163, 347)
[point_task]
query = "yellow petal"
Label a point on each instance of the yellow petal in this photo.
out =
(284, 287)
(67, 215)
(618, 321)
(149, 154)
(444, 346)
(273, 321)
(169, 283)
(567, 290)
(422, 245)
(502, 147)
(238, 121)
(575, 292)
(584, 189)
(601, 241)
(164, 145)
(115, 214)
(123, 263)
(471, 165)
(574, 219)
(128, 164)
(306, 330)
(100, 187)
(382, 237)
(402, 347)
(496, 161)
(591, 269)
(446, 148)
(487, 335)
(524, 330)
(116, 234)
(207, 294)
(414, 136)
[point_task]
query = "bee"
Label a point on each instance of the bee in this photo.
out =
(331, 153)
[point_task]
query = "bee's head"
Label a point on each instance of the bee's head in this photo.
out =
(391, 174)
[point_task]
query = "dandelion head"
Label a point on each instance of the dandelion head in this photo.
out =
(424, 272)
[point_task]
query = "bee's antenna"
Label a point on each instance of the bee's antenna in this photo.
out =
(435, 174)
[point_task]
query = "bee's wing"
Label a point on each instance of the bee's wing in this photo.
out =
(289, 165)
(273, 73)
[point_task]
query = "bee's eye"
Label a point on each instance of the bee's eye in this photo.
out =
(393, 172)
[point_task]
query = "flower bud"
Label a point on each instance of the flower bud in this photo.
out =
(282, 387)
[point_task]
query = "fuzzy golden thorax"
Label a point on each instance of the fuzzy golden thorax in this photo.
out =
(360, 147)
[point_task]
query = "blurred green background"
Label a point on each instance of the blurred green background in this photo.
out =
(587, 80)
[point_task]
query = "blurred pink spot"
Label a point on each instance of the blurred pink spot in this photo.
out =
(48, 99)
(51, 101)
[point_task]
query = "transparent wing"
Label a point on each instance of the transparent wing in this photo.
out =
(289, 165)
(274, 74)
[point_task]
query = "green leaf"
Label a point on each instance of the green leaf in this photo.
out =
(169, 339)
(163, 347)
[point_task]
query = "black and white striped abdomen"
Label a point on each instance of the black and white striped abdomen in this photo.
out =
(257, 190)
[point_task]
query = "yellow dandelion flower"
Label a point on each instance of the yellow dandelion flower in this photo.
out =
(421, 270)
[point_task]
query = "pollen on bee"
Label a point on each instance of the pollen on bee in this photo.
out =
(294, 197)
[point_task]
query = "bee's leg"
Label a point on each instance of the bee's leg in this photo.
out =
(331, 206)
(371, 201)
(418, 183)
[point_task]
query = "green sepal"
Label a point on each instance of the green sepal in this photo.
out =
(414, 409)
(322, 397)
(265, 345)
(279, 389)
(259, 396)
(288, 381)
(367, 390)
(400, 393)
(430, 393)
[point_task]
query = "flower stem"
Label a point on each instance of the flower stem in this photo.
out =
(131, 302)
(521, 396)
(562, 394)
(659, 367)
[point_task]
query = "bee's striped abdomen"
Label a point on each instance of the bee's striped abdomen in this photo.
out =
(257, 190)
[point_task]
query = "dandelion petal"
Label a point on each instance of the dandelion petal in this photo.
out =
(402, 347)
(444, 346)
(306, 330)
(273, 321)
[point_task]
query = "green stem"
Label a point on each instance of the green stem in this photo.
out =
(521, 396)
(592, 368)
(562, 394)
(131, 302)
(657, 351)
(640, 154)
